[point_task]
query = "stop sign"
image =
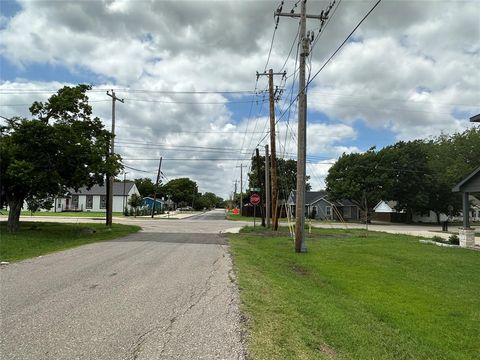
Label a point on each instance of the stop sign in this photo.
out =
(255, 199)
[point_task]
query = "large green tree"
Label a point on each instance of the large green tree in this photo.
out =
(451, 158)
(408, 178)
(61, 147)
(418, 174)
(145, 186)
(183, 191)
(356, 177)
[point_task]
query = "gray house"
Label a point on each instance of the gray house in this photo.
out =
(318, 206)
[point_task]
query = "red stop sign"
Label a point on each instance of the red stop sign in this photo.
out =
(255, 199)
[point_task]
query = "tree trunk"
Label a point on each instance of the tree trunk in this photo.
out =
(15, 206)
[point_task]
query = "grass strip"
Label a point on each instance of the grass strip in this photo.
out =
(37, 238)
(383, 296)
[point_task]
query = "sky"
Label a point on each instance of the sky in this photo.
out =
(187, 73)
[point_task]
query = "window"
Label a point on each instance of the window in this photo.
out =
(89, 202)
(75, 201)
(347, 212)
(103, 201)
(328, 211)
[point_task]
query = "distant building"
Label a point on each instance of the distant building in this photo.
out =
(318, 206)
(95, 198)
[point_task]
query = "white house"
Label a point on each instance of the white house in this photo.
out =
(385, 211)
(95, 199)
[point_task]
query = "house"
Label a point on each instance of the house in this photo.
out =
(95, 199)
(469, 185)
(318, 206)
(385, 211)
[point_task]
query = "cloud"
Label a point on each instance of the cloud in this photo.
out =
(412, 70)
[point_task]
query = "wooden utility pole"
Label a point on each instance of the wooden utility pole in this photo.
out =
(156, 187)
(110, 177)
(259, 179)
(241, 187)
(304, 40)
(267, 189)
(274, 176)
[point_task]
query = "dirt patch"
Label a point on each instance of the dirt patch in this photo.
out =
(300, 270)
(327, 351)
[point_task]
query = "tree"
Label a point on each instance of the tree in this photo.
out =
(62, 147)
(135, 202)
(419, 174)
(451, 158)
(287, 176)
(357, 177)
(34, 203)
(145, 186)
(409, 178)
(183, 191)
(210, 200)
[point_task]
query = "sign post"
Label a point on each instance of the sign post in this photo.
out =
(254, 200)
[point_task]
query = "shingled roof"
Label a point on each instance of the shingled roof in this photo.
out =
(102, 190)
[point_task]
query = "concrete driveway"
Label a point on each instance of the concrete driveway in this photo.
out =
(167, 292)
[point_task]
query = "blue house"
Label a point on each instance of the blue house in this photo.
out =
(318, 206)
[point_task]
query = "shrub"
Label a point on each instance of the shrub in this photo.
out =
(453, 239)
(437, 238)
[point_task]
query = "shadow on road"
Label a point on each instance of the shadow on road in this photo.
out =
(177, 238)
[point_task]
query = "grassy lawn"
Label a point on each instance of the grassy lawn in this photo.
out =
(67, 213)
(238, 217)
(35, 238)
(258, 219)
(352, 297)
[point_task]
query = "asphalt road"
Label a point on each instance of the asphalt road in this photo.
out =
(150, 295)
(209, 215)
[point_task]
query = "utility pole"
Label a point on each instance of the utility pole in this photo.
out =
(259, 179)
(304, 40)
(267, 188)
(241, 187)
(274, 176)
(156, 186)
(110, 177)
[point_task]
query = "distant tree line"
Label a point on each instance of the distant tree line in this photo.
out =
(418, 174)
(183, 191)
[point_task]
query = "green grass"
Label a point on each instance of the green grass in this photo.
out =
(67, 213)
(238, 217)
(35, 238)
(355, 297)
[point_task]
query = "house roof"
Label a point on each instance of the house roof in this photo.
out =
(118, 189)
(391, 204)
(314, 196)
(346, 202)
(310, 196)
(475, 118)
(462, 185)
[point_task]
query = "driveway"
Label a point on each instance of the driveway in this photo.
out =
(167, 292)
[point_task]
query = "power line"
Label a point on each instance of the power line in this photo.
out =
(344, 41)
(13, 91)
(184, 159)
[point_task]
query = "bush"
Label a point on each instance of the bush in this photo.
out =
(437, 238)
(453, 239)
